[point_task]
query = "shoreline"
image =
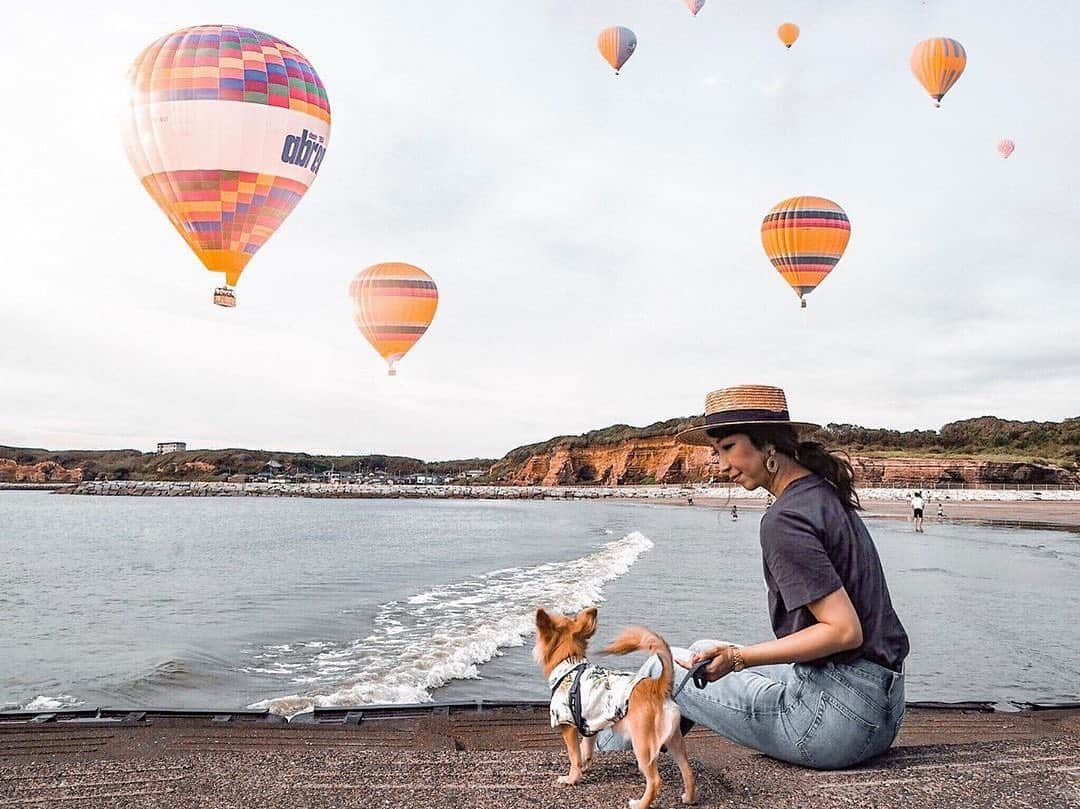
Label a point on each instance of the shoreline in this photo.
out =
(1017, 507)
(1062, 514)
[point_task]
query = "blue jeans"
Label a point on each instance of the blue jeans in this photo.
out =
(826, 717)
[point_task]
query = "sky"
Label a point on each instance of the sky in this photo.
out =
(595, 239)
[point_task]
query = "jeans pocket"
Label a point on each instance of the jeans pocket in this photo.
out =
(873, 694)
(837, 736)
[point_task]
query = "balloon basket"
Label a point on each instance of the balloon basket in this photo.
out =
(392, 372)
(802, 303)
(223, 296)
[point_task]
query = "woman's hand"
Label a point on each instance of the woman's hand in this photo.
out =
(721, 664)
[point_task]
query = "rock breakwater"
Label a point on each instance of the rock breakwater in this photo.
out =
(660, 492)
(356, 490)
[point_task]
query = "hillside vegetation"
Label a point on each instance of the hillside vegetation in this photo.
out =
(986, 437)
(218, 464)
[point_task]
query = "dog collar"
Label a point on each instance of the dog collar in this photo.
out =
(561, 671)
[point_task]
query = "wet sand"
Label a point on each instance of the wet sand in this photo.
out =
(1058, 513)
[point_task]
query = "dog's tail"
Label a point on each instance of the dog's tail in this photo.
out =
(638, 638)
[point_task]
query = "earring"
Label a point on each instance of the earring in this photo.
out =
(771, 464)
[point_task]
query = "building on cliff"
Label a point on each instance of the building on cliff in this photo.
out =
(165, 447)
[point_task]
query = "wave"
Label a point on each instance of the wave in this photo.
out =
(153, 685)
(443, 634)
(194, 671)
(169, 674)
(45, 703)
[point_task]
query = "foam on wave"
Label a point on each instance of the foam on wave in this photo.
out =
(445, 633)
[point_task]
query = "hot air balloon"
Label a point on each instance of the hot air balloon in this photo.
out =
(788, 33)
(937, 64)
(804, 237)
(616, 45)
(695, 6)
(1005, 148)
(393, 305)
(228, 128)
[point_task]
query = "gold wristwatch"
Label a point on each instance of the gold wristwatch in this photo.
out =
(737, 663)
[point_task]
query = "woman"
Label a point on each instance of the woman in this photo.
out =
(917, 511)
(828, 692)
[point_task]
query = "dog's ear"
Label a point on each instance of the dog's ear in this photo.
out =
(586, 623)
(543, 621)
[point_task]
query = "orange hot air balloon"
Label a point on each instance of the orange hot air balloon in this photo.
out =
(804, 238)
(616, 45)
(788, 33)
(393, 305)
(228, 129)
(937, 64)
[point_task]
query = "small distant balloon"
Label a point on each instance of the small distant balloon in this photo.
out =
(393, 305)
(1006, 148)
(788, 33)
(616, 45)
(695, 6)
(937, 64)
(804, 238)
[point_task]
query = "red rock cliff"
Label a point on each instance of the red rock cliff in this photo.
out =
(44, 472)
(658, 459)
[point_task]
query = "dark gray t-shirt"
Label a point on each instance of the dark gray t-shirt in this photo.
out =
(811, 546)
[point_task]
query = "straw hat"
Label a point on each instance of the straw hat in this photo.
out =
(741, 405)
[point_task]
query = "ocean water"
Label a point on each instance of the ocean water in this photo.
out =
(287, 603)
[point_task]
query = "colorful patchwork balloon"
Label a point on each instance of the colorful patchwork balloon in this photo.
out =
(228, 128)
(804, 238)
(616, 45)
(393, 305)
(1005, 148)
(937, 64)
(788, 33)
(695, 6)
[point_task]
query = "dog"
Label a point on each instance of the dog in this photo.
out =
(586, 698)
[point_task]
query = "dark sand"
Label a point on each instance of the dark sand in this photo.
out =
(510, 758)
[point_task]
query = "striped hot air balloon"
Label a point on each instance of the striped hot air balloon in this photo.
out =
(788, 33)
(937, 63)
(695, 6)
(1005, 148)
(804, 238)
(393, 305)
(616, 45)
(227, 131)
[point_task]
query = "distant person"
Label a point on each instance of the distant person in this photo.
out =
(734, 512)
(827, 691)
(689, 501)
(940, 511)
(917, 510)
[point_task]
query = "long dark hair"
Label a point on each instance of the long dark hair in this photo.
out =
(835, 467)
